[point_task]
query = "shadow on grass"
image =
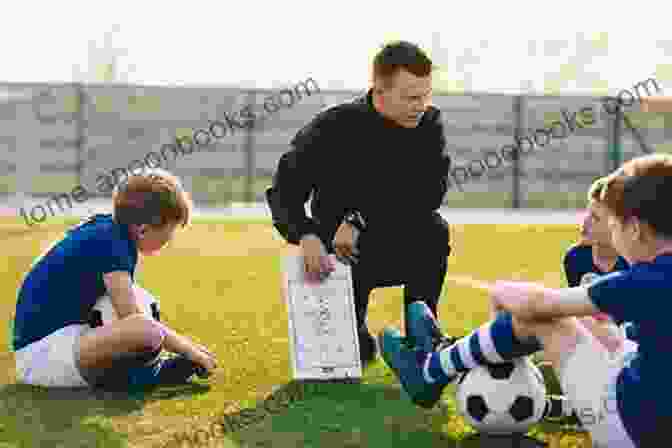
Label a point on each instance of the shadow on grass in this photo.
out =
(39, 417)
(330, 414)
(323, 414)
(490, 441)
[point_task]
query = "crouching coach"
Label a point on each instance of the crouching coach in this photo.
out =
(377, 173)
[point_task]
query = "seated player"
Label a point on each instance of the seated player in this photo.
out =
(624, 400)
(54, 345)
(593, 256)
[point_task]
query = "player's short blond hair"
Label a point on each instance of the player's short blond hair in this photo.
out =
(642, 188)
(595, 190)
(154, 197)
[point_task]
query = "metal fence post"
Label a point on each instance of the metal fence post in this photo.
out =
(616, 149)
(80, 139)
(249, 153)
(519, 109)
(608, 136)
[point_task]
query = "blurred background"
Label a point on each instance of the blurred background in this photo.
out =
(93, 87)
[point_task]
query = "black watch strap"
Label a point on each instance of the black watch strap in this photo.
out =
(356, 220)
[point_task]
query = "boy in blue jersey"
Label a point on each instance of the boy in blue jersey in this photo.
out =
(624, 401)
(593, 256)
(53, 342)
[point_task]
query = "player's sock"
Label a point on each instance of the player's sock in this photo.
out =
(168, 371)
(178, 370)
(492, 343)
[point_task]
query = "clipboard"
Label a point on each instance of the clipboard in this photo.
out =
(322, 323)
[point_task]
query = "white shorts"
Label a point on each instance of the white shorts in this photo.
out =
(588, 377)
(52, 361)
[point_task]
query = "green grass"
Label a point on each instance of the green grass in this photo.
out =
(219, 282)
(504, 199)
(210, 190)
(42, 184)
(221, 191)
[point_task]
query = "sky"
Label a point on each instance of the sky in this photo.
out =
(565, 46)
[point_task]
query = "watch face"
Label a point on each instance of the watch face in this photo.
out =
(354, 224)
(588, 278)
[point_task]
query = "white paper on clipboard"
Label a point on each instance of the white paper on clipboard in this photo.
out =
(322, 323)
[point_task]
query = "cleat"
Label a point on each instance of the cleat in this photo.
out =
(407, 364)
(160, 371)
(423, 330)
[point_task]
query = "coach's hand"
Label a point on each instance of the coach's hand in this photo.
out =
(345, 244)
(318, 264)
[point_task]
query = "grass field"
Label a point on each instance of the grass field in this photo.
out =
(220, 283)
(222, 191)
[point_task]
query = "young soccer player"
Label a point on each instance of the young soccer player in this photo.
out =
(624, 401)
(593, 256)
(54, 345)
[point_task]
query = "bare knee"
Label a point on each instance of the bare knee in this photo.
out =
(563, 327)
(146, 335)
(559, 337)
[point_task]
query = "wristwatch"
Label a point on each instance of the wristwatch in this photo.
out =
(355, 220)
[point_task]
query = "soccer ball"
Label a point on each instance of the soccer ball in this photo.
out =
(103, 312)
(504, 398)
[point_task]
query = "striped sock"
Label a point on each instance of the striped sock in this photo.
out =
(492, 343)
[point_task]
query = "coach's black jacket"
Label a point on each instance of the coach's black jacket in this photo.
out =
(350, 157)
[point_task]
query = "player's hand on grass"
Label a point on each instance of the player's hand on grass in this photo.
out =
(345, 244)
(318, 265)
(202, 357)
(203, 348)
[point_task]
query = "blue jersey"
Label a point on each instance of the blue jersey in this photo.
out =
(642, 295)
(65, 282)
(578, 262)
(580, 268)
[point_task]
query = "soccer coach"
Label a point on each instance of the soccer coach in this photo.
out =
(377, 174)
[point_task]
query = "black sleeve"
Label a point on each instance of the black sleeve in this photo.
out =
(434, 183)
(294, 181)
(441, 182)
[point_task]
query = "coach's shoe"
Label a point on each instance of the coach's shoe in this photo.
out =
(422, 329)
(407, 363)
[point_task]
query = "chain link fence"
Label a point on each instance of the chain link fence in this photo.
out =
(55, 137)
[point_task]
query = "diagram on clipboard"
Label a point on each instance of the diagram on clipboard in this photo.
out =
(322, 323)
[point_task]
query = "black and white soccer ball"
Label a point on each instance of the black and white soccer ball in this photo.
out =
(103, 312)
(505, 398)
